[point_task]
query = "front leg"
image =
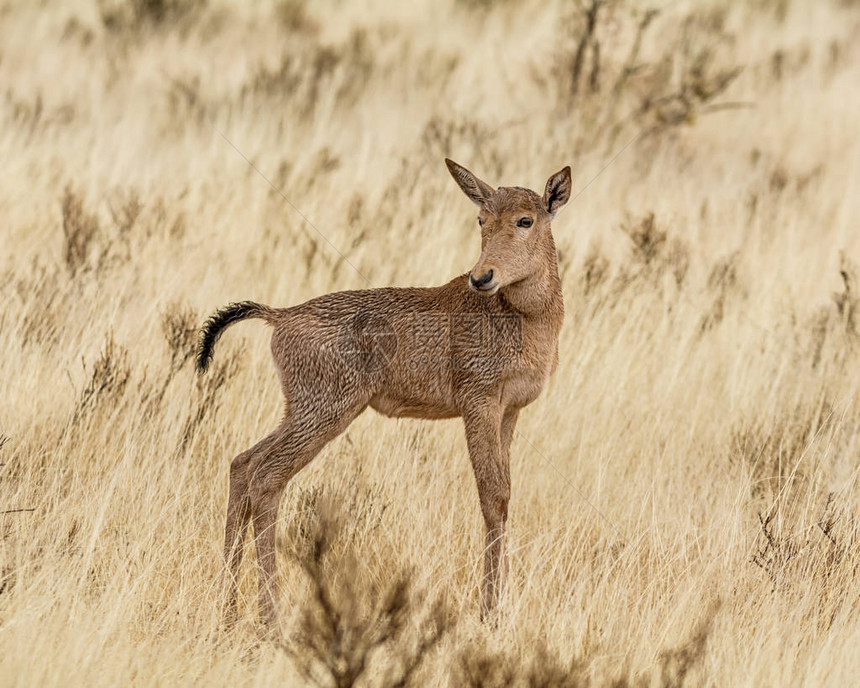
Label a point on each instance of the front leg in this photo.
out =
(509, 423)
(492, 474)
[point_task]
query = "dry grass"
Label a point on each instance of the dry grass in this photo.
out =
(705, 402)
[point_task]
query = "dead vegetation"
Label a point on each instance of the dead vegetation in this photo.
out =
(131, 17)
(675, 667)
(802, 558)
(108, 376)
(662, 80)
(345, 629)
(704, 404)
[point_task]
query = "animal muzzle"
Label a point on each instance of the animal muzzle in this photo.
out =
(483, 282)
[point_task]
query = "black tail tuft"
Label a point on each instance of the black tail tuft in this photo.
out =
(219, 320)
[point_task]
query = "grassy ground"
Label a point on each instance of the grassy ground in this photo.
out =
(684, 491)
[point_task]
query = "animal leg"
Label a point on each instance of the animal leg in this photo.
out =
(301, 439)
(509, 424)
(492, 475)
(238, 517)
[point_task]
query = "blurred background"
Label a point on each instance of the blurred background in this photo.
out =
(684, 498)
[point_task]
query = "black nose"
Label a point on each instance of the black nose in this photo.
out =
(482, 280)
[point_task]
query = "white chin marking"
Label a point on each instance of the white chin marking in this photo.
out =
(492, 290)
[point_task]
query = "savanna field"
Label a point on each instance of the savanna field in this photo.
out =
(685, 491)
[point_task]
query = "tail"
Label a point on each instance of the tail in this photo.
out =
(220, 320)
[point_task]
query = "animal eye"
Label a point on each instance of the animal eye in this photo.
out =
(524, 222)
(481, 221)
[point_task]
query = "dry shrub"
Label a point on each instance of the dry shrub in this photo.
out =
(480, 667)
(819, 557)
(678, 666)
(179, 327)
(580, 54)
(293, 16)
(783, 180)
(80, 232)
(777, 552)
(444, 137)
(302, 77)
(308, 75)
(208, 395)
(847, 301)
(125, 210)
(595, 270)
(829, 336)
(87, 246)
(654, 274)
(133, 16)
(366, 505)
(671, 75)
(649, 242)
(594, 284)
(654, 253)
(93, 247)
(700, 80)
(36, 118)
(108, 378)
(724, 284)
(349, 629)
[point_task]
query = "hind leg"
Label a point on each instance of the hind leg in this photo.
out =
(238, 518)
(301, 438)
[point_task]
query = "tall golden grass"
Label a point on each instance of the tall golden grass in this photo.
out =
(685, 490)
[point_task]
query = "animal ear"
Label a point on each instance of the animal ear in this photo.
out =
(473, 187)
(557, 193)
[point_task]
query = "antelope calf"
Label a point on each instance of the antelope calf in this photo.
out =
(480, 347)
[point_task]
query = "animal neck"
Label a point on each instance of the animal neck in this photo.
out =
(539, 295)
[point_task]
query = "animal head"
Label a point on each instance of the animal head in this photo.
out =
(516, 239)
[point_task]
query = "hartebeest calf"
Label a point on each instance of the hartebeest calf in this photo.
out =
(480, 347)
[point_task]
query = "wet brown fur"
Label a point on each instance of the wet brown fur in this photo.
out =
(438, 352)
